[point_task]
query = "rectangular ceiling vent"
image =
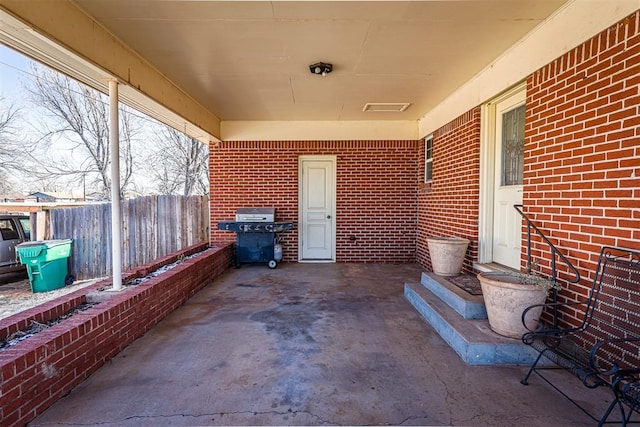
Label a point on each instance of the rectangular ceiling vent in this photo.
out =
(386, 107)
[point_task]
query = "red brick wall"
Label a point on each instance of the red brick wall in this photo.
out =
(582, 149)
(582, 169)
(36, 372)
(375, 201)
(448, 205)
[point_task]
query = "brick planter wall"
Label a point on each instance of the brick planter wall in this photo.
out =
(375, 201)
(39, 370)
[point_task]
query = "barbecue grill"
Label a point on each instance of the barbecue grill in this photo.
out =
(256, 239)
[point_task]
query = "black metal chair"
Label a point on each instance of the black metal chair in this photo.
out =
(599, 340)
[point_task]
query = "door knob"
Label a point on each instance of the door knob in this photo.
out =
(328, 216)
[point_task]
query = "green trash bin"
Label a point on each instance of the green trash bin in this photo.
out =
(47, 263)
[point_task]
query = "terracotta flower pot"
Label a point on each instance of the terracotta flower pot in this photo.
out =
(507, 295)
(447, 254)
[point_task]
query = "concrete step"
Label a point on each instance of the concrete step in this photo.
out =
(467, 305)
(471, 339)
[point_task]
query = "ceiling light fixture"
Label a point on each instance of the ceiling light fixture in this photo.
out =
(321, 68)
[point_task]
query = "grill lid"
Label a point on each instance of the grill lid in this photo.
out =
(256, 214)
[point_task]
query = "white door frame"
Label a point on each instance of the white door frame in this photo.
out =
(487, 173)
(334, 160)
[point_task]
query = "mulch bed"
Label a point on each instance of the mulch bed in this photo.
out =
(21, 290)
(36, 327)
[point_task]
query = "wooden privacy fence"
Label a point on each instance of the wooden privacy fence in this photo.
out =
(152, 227)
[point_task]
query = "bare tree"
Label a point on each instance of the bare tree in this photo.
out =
(74, 136)
(6, 187)
(9, 138)
(9, 145)
(69, 146)
(180, 164)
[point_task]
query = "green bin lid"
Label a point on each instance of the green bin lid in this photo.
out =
(30, 244)
(28, 250)
(57, 242)
(44, 243)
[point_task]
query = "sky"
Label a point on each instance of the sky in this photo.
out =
(14, 68)
(14, 74)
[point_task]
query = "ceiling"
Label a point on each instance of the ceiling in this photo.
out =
(249, 60)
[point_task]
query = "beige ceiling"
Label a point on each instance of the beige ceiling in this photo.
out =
(249, 60)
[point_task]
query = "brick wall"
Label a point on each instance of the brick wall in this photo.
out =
(582, 158)
(448, 205)
(582, 149)
(375, 201)
(36, 372)
(582, 169)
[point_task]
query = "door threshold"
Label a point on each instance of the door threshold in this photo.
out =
(492, 267)
(317, 261)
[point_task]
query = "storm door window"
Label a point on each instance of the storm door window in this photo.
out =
(513, 146)
(428, 159)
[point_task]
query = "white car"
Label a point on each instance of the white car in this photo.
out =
(14, 229)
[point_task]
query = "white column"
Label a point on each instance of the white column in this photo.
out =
(116, 221)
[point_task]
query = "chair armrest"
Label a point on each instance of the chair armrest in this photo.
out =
(626, 387)
(602, 362)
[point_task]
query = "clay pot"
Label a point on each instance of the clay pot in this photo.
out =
(447, 254)
(507, 295)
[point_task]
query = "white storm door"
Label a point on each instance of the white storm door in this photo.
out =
(509, 168)
(317, 210)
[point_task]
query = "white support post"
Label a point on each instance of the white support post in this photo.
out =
(116, 221)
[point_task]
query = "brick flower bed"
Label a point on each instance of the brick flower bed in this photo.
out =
(36, 372)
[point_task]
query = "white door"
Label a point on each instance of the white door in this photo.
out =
(509, 167)
(317, 208)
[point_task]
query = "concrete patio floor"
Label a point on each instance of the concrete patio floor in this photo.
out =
(308, 344)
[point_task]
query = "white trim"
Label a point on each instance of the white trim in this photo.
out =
(366, 130)
(334, 160)
(426, 159)
(487, 173)
(485, 214)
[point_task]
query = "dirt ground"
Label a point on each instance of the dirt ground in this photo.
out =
(16, 294)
